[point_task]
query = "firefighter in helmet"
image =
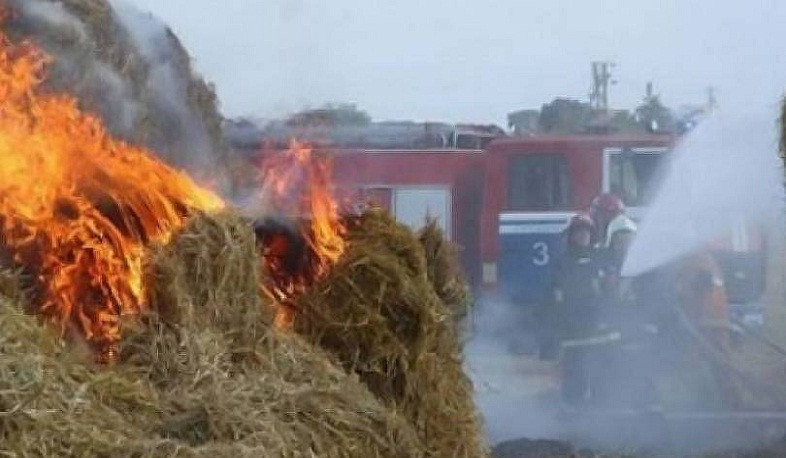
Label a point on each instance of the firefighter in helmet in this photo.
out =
(604, 209)
(576, 297)
(620, 233)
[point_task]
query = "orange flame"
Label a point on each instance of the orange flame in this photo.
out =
(77, 207)
(298, 186)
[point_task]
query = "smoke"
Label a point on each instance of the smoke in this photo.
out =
(167, 84)
(516, 394)
(54, 15)
(66, 37)
(128, 67)
(725, 172)
(519, 396)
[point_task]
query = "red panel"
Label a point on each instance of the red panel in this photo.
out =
(585, 161)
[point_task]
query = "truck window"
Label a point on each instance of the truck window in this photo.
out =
(631, 176)
(539, 183)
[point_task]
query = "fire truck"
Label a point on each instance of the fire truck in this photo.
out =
(506, 200)
(535, 185)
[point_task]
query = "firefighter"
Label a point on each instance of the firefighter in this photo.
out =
(620, 233)
(604, 209)
(575, 301)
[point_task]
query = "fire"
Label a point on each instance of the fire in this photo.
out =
(78, 207)
(298, 187)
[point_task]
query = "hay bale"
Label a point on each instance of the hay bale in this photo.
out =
(444, 270)
(379, 314)
(211, 266)
(11, 286)
(284, 398)
(53, 405)
(184, 387)
(231, 384)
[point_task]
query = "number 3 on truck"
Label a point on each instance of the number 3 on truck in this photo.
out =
(541, 255)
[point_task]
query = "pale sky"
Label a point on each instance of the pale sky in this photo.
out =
(475, 61)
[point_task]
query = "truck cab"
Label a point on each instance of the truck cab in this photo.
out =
(535, 185)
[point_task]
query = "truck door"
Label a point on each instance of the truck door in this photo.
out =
(530, 230)
(529, 245)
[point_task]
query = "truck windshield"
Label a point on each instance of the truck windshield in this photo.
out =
(538, 182)
(632, 176)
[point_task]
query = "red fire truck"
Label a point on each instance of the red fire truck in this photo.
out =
(534, 185)
(506, 200)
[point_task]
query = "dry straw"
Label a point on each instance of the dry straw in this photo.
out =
(382, 318)
(194, 382)
(444, 270)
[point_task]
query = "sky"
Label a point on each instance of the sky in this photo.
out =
(476, 61)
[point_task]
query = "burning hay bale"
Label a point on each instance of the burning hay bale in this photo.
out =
(380, 315)
(231, 378)
(80, 229)
(191, 364)
(184, 387)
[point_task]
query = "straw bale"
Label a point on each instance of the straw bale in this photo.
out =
(11, 286)
(212, 266)
(53, 405)
(284, 398)
(230, 382)
(444, 270)
(184, 387)
(379, 314)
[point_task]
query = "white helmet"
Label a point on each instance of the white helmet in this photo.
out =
(620, 223)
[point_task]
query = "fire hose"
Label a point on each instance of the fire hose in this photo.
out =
(717, 357)
(709, 352)
(757, 336)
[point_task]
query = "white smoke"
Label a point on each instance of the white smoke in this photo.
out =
(113, 91)
(165, 81)
(725, 172)
(180, 134)
(515, 393)
(56, 17)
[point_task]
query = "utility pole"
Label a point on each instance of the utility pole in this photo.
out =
(601, 80)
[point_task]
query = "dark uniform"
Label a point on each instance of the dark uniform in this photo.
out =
(576, 293)
(574, 311)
